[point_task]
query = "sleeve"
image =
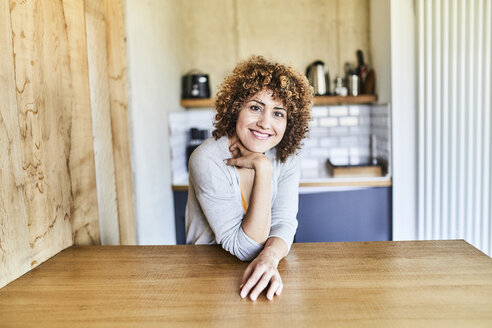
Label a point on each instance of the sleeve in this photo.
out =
(217, 198)
(285, 205)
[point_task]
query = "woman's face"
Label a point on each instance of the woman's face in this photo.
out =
(261, 122)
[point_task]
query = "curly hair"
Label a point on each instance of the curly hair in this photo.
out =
(287, 85)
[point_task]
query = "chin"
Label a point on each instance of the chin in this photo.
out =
(258, 148)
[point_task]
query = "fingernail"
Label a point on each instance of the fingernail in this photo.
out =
(243, 295)
(253, 298)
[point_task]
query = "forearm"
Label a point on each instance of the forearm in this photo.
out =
(257, 222)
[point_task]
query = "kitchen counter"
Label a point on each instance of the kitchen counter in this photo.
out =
(379, 284)
(322, 182)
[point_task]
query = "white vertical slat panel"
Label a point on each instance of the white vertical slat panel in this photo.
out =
(487, 123)
(453, 208)
(454, 120)
(469, 121)
(444, 174)
(429, 91)
(461, 114)
(436, 126)
(477, 95)
(420, 121)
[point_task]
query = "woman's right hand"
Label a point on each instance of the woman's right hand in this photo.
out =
(242, 157)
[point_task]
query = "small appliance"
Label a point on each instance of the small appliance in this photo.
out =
(195, 85)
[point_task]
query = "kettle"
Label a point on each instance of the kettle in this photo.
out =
(316, 76)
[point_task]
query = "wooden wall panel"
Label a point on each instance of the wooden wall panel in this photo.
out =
(51, 78)
(44, 102)
(116, 47)
(84, 219)
(14, 234)
(101, 121)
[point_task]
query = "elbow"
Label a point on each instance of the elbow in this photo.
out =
(241, 246)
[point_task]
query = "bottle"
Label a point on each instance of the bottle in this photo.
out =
(361, 69)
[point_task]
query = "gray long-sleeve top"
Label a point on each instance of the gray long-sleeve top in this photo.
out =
(214, 212)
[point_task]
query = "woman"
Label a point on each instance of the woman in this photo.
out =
(243, 185)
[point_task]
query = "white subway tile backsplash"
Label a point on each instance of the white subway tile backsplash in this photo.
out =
(339, 131)
(380, 109)
(319, 111)
(360, 131)
(313, 122)
(339, 152)
(329, 142)
(338, 111)
(354, 110)
(349, 141)
(349, 121)
(318, 132)
(310, 142)
(328, 121)
(319, 152)
(309, 163)
(364, 121)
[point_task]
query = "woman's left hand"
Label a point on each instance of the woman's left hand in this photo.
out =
(242, 157)
(260, 273)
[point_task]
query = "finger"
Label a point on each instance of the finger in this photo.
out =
(246, 274)
(260, 286)
(274, 284)
(280, 288)
(251, 282)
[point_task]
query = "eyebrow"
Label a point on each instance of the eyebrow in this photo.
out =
(263, 104)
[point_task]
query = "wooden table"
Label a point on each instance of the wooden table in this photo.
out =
(374, 284)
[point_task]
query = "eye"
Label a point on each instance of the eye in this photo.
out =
(279, 114)
(255, 108)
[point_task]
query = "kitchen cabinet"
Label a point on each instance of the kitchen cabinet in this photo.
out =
(356, 214)
(360, 214)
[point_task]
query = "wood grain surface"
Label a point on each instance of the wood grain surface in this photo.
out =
(365, 284)
(48, 197)
(85, 218)
(14, 233)
(116, 50)
(101, 121)
(44, 103)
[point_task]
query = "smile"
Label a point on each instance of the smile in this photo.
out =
(260, 135)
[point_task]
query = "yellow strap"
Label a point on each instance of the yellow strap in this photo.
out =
(244, 202)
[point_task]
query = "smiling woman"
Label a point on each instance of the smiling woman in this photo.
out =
(243, 188)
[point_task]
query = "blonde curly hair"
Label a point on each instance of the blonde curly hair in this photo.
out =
(287, 85)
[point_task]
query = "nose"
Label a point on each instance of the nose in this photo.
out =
(264, 121)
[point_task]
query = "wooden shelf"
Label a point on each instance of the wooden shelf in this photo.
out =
(318, 101)
(338, 100)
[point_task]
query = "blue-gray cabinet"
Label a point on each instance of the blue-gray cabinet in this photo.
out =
(350, 215)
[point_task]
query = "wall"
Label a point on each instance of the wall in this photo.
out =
(154, 56)
(217, 33)
(48, 198)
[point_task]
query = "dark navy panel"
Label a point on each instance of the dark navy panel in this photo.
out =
(351, 215)
(180, 199)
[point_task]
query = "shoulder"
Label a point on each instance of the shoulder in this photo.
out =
(207, 167)
(292, 162)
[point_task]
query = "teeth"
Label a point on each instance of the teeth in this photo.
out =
(260, 134)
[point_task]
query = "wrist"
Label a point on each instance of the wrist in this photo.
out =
(270, 257)
(263, 164)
